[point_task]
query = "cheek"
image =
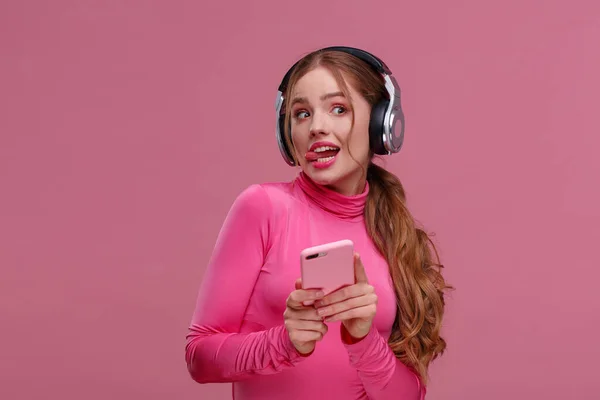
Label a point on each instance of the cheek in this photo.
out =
(358, 143)
(299, 138)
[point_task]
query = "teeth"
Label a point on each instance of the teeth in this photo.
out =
(324, 148)
(325, 159)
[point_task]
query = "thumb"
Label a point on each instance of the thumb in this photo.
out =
(359, 270)
(298, 283)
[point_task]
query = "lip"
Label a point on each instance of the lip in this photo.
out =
(323, 165)
(321, 144)
(326, 164)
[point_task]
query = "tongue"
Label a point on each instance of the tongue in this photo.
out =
(312, 156)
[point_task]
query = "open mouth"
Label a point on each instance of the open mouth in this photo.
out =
(322, 155)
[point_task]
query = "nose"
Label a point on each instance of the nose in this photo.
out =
(318, 124)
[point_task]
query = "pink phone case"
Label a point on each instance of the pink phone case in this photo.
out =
(328, 266)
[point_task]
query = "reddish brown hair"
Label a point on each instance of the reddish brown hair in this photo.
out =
(410, 253)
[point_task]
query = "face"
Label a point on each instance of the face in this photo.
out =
(329, 149)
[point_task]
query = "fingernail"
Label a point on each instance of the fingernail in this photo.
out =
(307, 302)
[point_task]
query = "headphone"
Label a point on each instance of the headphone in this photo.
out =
(386, 126)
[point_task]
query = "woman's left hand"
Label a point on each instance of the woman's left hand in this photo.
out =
(354, 305)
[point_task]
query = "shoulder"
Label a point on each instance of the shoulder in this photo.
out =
(264, 200)
(278, 192)
(251, 197)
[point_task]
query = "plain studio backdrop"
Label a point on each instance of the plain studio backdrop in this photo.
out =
(127, 128)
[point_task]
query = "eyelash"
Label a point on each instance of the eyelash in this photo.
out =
(344, 110)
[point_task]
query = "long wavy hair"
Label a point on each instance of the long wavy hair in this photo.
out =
(412, 257)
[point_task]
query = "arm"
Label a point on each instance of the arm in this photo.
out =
(384, 377)
(215, 350)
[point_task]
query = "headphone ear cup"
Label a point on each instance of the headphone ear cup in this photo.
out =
(281, 133)
(376, 127)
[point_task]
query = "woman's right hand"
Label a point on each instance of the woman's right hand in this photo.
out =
(305, 327)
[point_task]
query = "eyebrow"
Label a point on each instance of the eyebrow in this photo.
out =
(323, 98)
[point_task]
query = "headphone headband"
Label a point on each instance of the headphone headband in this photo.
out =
(367, 57)
(386, 128)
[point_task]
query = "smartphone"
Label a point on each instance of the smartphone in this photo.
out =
(328, 267)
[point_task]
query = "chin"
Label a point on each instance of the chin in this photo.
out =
(327, 177)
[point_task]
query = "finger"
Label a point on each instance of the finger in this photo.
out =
(359, 270)
(298, 286)
(296, 298)
(359, 312)
(355, 302)
(308, 314)
(345, 293)
(301, 325)
(306, 336)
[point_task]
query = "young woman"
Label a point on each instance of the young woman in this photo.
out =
(254, 325)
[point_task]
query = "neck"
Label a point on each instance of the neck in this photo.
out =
(346, 202)
(351, 187)
(352, 184)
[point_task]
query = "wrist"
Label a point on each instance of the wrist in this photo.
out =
(364, 350)
(301, 354)
(292, 351)
(348, 338)
(304, 351)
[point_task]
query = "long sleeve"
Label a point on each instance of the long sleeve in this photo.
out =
(383, 376)
(215, 349)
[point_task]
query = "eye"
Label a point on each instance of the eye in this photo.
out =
(301, 114)
(339, 110)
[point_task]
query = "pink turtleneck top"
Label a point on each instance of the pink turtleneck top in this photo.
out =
(237, 333)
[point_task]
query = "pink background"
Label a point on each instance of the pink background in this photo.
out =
(128, 127)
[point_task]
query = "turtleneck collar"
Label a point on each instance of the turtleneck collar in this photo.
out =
(345, 207)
